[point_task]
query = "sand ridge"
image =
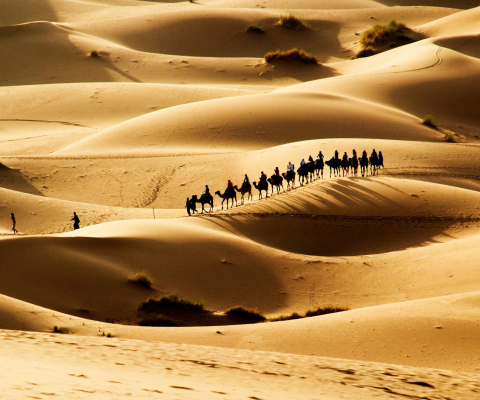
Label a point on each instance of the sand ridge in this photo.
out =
(119, 110)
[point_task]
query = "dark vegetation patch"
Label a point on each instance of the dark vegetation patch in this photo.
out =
(381, 37)
(291, 55)
(290, 21)
(254, 28)
(142, 278)
(245, 315)
(328, 309)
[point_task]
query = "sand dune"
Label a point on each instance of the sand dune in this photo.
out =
(120, 109)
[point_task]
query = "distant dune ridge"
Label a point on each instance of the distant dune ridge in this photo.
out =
(120, 110)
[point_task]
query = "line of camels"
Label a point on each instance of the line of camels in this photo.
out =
(307, 172)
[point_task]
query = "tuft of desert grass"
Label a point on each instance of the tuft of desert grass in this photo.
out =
(290, 21)
(322, 310)
(450, 136)
(57, 329)
(327, 309)
(430, 121)
(366, 52)
(254, 28)
(157, 320)
(393, 33)
(142, 278)
(380, 34)
(171, 300)
(246, 315)
(94, 54)
(291, 55)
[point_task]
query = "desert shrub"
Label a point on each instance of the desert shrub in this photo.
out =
(94, 54)
(290, 21)
(245, 314)
(450, 136)
(171, 300)
(142, 278)
(156, 320)
(380, 34)
(328, 309)
(429, 120)
(291, 55)
(57, 329)
(254, 28)
(366, 52)
(287, 317)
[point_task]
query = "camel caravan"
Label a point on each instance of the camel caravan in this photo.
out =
(307, 172)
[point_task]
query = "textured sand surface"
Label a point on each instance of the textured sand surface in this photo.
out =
(119, 110)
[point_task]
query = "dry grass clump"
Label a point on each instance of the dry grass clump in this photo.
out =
(171, 301)
(57, 329)
(246, 315)
(254, 28)
(429, 121)
(392, 34)
(290, 21)
(94, 54)
(328, 309)
(156, 320)
(380, 34)
(291, 55)
(142, 278)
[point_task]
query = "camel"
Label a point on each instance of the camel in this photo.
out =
(364, 165)
(289, 176)
(228, 194)
(319, 164)
(276, 180)
(345, 167)
(311, 169)
(262, 185)
(334, 163)
(205, 199)
(246, 188)
(302, 172)
(373, 165)
(354, 165)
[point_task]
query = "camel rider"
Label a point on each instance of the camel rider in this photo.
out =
(207, 191)
(380, 159)
(320, 155)
(229, 184)
(263, 177)
(354, 154)
(310, 158)
(364, 154)
(246, 181)
(336, 154)
(302, 163)
(290, 166)
(277, 171)
(345, 157)
(374, 155)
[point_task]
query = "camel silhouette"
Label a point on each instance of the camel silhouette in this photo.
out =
(228, 194)
(246, 188)
(262, 185)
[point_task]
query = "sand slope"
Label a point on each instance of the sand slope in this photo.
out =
(120, 109)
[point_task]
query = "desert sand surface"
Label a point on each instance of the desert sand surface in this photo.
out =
(120, 110)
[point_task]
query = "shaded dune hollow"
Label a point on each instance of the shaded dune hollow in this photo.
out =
(337, 235)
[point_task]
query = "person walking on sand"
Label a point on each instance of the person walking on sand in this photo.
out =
(14, 222)
(76, 221)
(187, 205)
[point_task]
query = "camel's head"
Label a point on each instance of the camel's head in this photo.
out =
(217, 192)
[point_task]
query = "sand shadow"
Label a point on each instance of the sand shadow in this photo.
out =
(13, 179)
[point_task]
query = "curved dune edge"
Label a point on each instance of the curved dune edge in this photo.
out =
(433, 333)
